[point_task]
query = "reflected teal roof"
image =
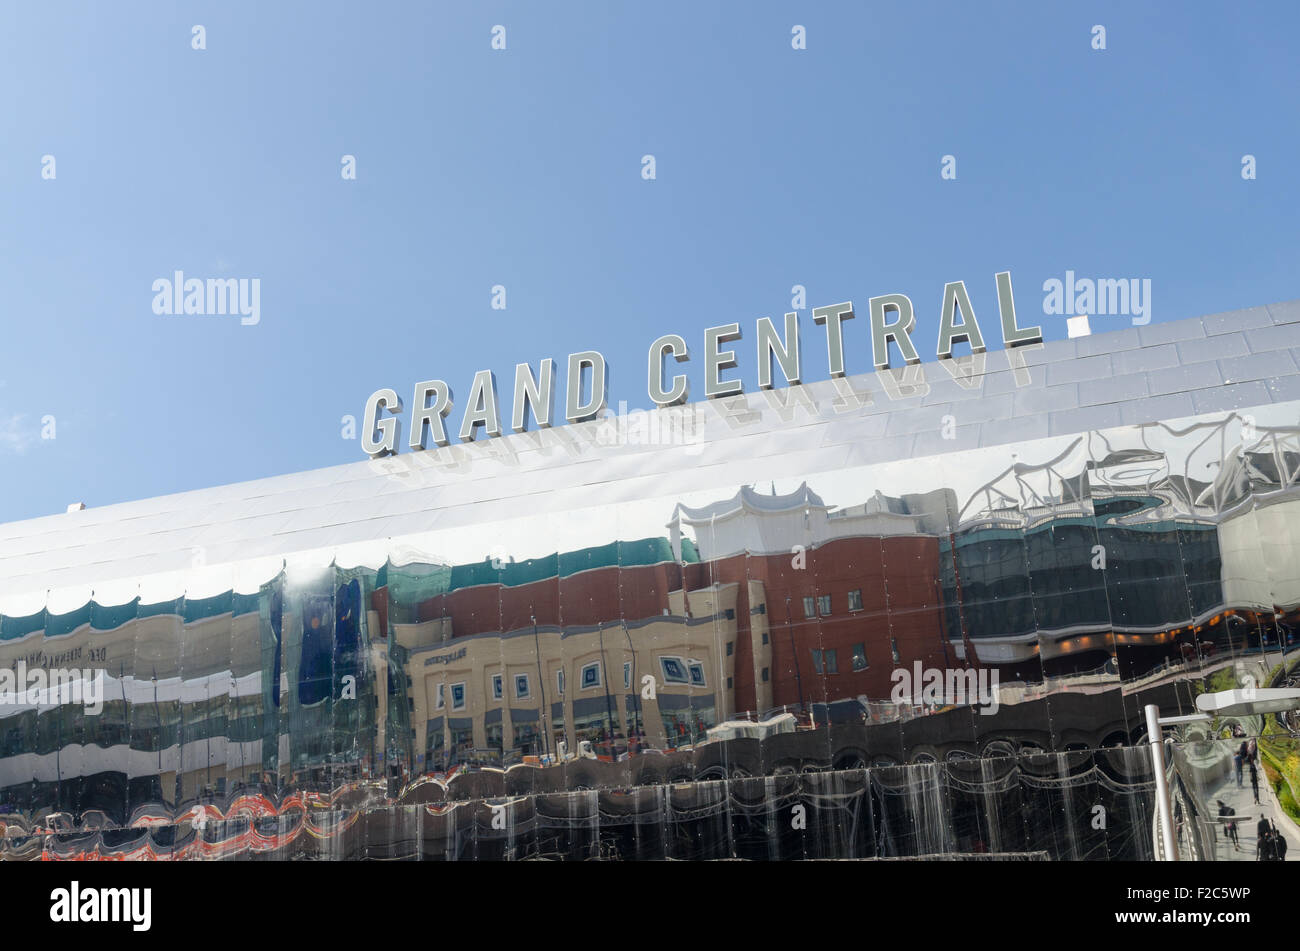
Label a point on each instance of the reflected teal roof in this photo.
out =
(646, 551)
(419, 581)
(106, 618)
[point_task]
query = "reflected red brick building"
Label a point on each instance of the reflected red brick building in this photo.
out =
(813, 607)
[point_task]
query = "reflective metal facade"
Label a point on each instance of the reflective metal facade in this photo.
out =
(657, 637)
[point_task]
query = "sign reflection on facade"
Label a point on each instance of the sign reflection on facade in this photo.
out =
(656, 656)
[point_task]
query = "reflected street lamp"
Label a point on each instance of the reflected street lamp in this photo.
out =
(1164, 806)
(1249, 701)
(794, 652)
(541, 683)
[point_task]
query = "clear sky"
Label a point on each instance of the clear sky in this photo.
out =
(522, 167)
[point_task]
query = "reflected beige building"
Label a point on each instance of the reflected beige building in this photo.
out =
(659, 682)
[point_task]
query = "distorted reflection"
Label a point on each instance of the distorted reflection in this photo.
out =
(939, 658)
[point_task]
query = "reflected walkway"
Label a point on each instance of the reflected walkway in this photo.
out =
(1242, 800)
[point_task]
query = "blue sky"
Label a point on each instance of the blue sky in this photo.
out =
(522, 167)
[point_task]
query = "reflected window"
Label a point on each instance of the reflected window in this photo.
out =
(824, 604)
(893, 647)
(559, 681)
(817, 661)
(687, 725)
(599, 724)
(627, 673)
(458, 696)
(498, 690)
(765, 637)
(433, 743)
(859, 657)
(590, 675)
(462, 739)
(697, 673)
(440, 697)
(558, 734)
(731, 648)
(526, 738)
(765, 676)
(855, 600)
(832, 662)
(674, 670)
(809, 608)
(522, 687)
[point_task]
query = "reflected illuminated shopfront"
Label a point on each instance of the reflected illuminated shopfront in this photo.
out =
(547, 647)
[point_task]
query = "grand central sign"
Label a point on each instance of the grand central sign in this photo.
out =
(892, 318)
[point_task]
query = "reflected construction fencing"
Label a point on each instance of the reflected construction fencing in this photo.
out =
(1059, 806)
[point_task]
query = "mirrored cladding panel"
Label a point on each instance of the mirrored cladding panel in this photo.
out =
(904, 614)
